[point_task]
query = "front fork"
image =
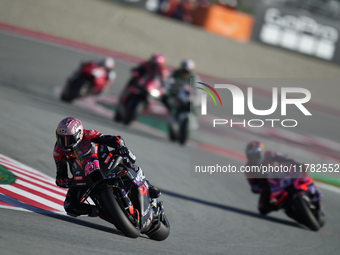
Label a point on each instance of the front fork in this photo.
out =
(128, 206)
(158, 209)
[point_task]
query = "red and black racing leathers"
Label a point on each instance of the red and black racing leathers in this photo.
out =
(63, 160)
(148, 69)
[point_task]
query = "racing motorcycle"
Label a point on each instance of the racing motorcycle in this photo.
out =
(136, 99)
(90, 80)
(297, 195)
(179, 113)
(182, 118)
(121, 194)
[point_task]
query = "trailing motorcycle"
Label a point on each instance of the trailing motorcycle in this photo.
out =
(296, 194)
(136, 98)
(89, 80)
(121, 193)
(179, 113)
(179, 100)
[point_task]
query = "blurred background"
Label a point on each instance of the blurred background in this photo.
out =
(262, 44)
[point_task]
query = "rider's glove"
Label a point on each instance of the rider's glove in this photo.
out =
(63, 183)
(123, 151)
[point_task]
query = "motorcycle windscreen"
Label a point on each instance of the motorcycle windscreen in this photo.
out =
(85, 151)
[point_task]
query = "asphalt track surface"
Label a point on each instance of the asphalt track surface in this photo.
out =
(207, 215)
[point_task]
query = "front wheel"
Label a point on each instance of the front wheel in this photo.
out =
(307, 217)
(85, 88)
(162, 232)
(118, 116)
(66, 93)
(65, 98)
(116, 213)
(171, 132)
(183, 132)
(322, 220)
(133, 109)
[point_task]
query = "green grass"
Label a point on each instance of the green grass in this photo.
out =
(327, 180)
(149, 120)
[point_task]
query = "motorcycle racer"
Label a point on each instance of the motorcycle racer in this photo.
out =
(182, 79)
(256, 156)
(154, 67)
(107, 64)
(69, 133)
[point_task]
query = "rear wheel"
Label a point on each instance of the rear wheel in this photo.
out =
(307, 217)
(117, 214)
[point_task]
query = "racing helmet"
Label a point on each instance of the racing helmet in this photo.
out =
(69, 133)
(157, 59)
(108, 63)
(255, 152)
(188, 65)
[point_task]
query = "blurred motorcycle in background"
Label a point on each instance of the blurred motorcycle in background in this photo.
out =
(91, 79)
(136, 98)
(296, 193)
(179, 104)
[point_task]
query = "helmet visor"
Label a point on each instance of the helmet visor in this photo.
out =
(66, 141)
(255, 157)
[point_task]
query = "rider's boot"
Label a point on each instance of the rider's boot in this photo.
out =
(153, 191)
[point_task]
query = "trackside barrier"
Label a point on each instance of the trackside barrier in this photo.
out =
(297, 30)
(223, 21)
